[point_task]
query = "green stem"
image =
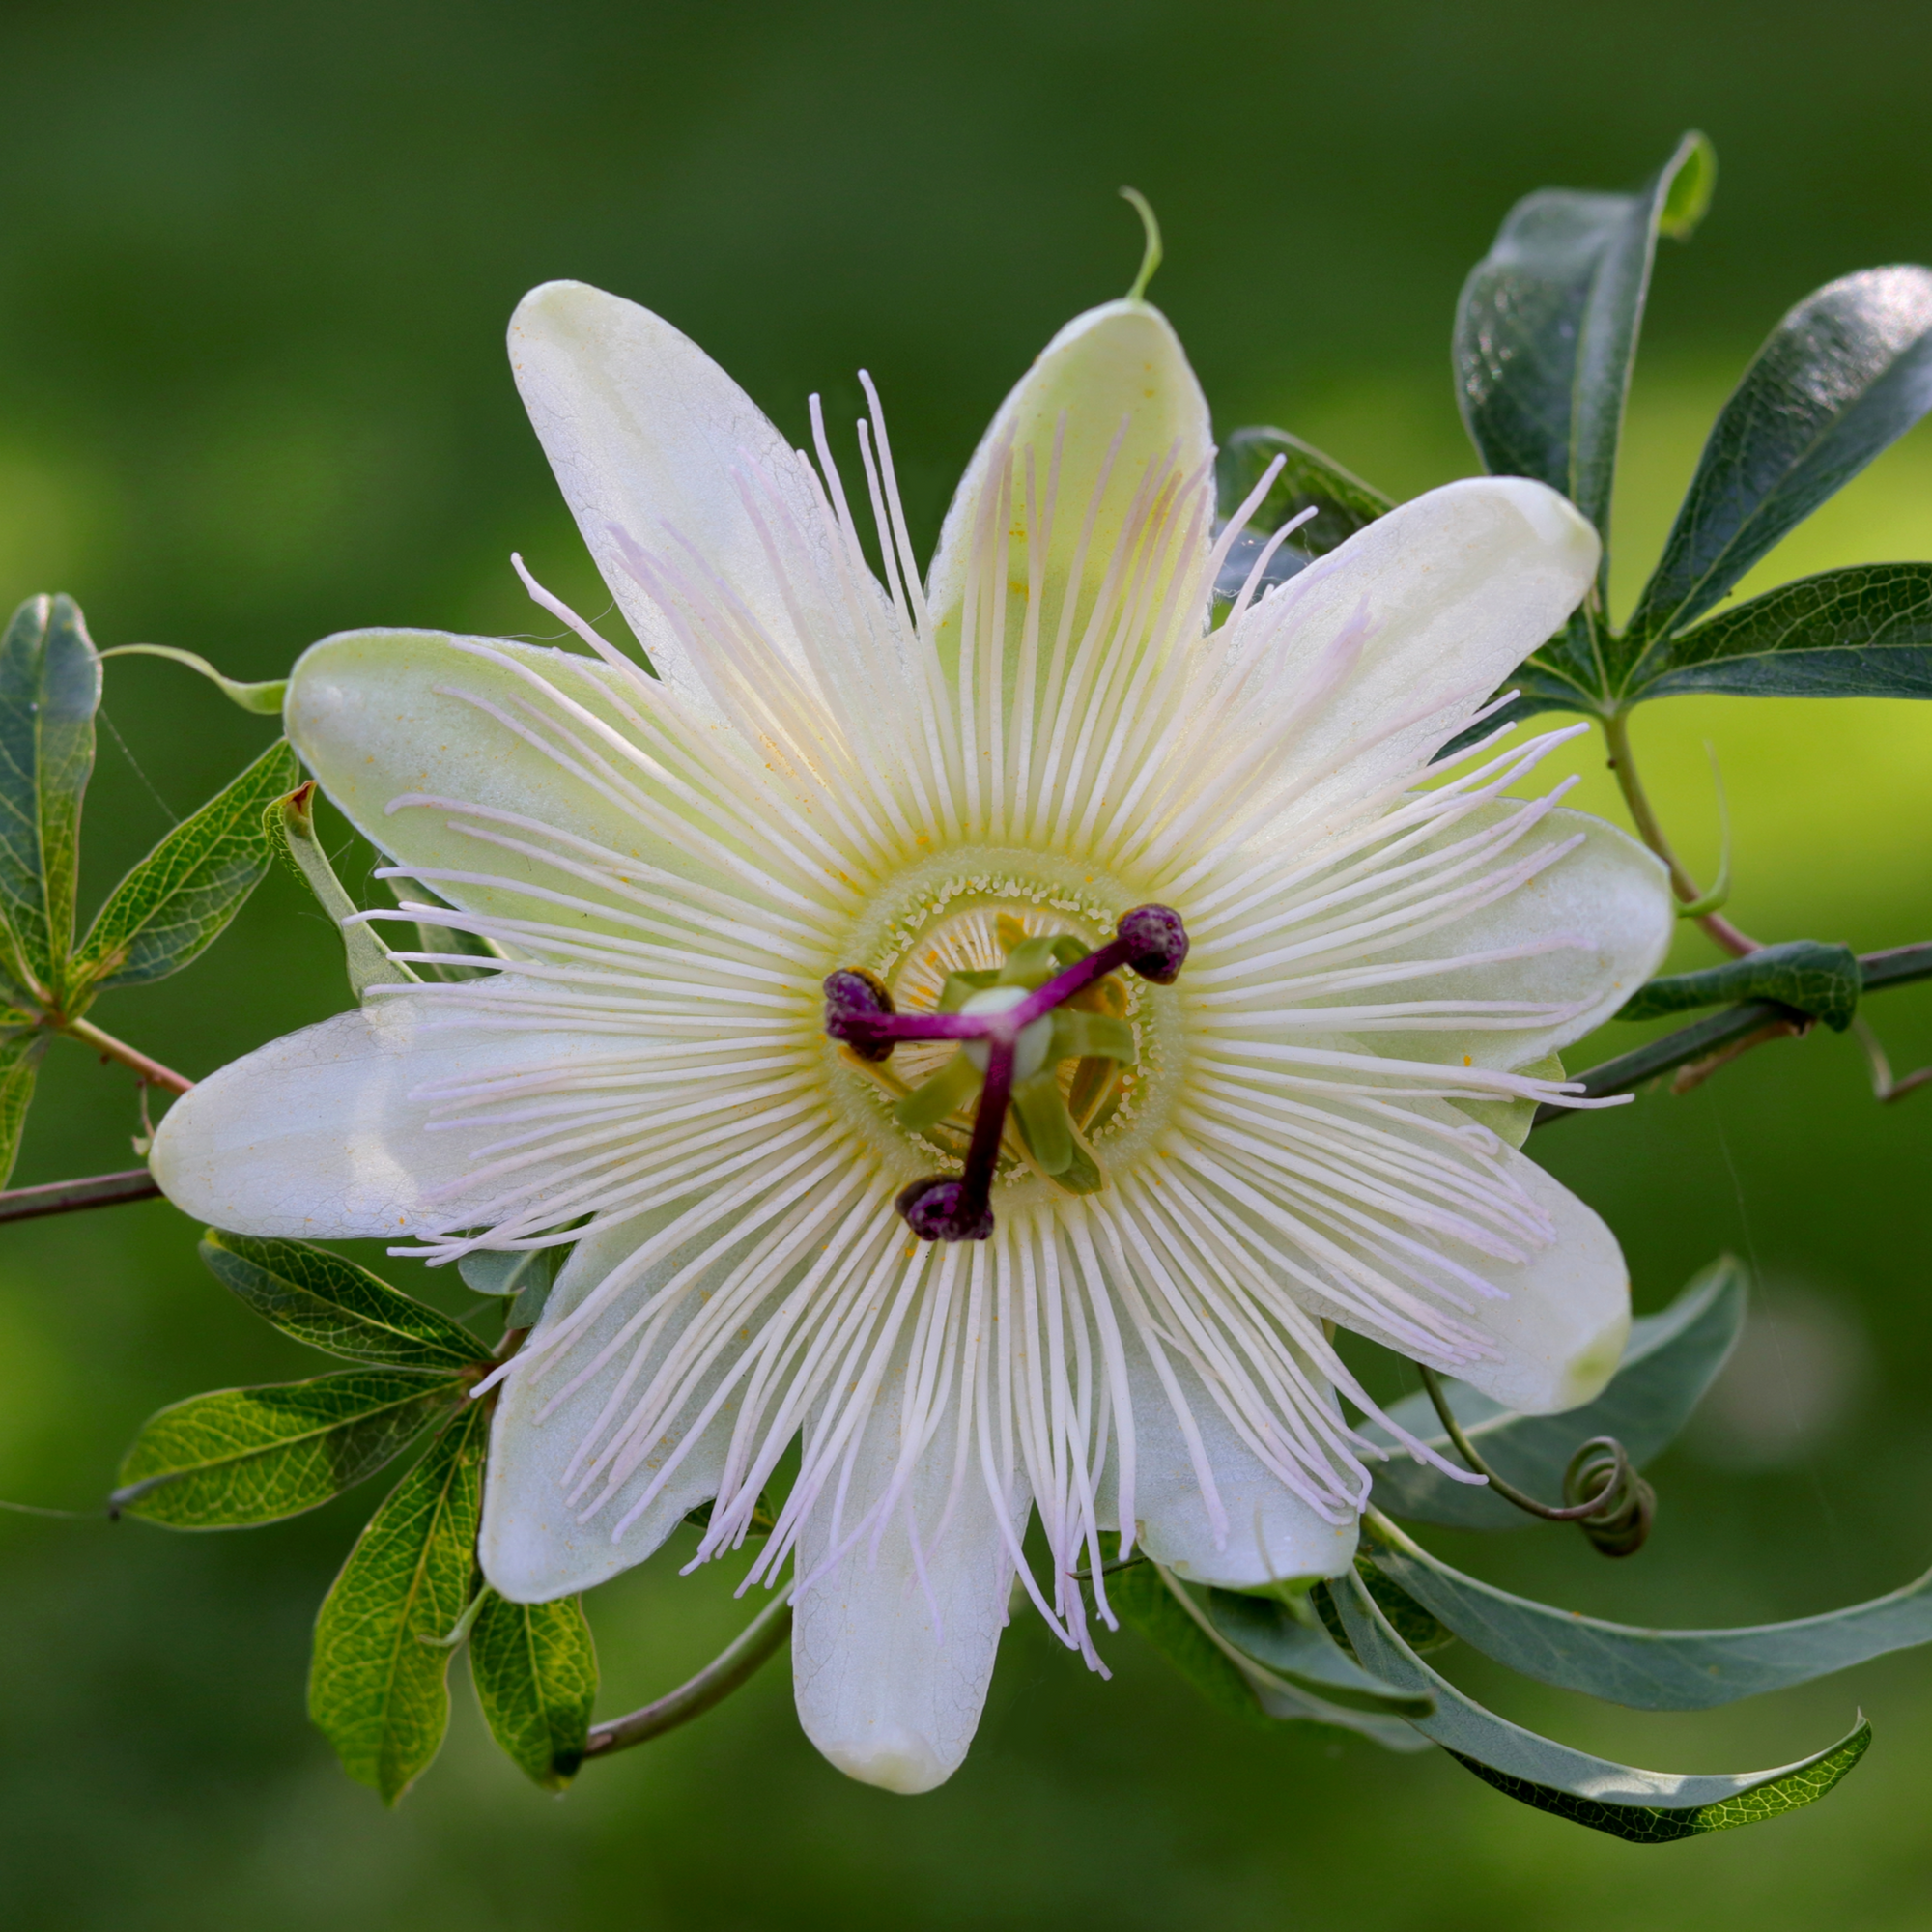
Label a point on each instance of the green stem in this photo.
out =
(110, 1048)
(1623, 762)
(1704, 1039)
(731, 1667)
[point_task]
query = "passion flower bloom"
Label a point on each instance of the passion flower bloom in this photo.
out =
(943, 796)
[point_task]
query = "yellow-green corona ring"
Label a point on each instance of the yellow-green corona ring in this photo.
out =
(953, 785)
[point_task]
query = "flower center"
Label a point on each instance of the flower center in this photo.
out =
(1013, 1026)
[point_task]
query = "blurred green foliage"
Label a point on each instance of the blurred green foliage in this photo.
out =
(254, 267)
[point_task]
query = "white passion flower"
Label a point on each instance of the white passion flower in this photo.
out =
(944, 797)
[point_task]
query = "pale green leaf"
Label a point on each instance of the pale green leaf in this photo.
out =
(377, 1687)
(1640, 1807)
(535, 1671)
(332, 1304)
(240, 1457)
(177, 902)
(20, 1051)
(1306, 1655)
(49, 691)
(1649, 1669)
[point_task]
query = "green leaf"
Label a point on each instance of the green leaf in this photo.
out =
(1645, 1807)
(1668, 1363)
(1649, 1669)
(1804, 974)
(334, 1305)
(290, 823)
(240, 1457)
(1144, 1602)
(535, 1672)
(177, 902)
(1863, 631)
(1157, 1606)
(509, 1271)
(376, 1690)
(20, 1051)
(1847, 372)
(1341, 502)
(49, 691)
(1546, 328)
(265, 697)
(1306, 1655)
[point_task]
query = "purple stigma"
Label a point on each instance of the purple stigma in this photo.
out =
(1149, 940)
(852, 997)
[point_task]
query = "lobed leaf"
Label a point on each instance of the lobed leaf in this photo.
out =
(378, 1685)
(1640, 1807)
(535, 1671)
(331, 1304)
(240, 1457)
(1546, 326)
(180, 899)
(1668, 1363)
(1649, 1669)
(49, 691)
(1307, 1657)
(1804, 974)
(1863, 631)
(1844, 375)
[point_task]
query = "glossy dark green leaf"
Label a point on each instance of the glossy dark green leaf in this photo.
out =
(1308, 480)
(1649, 1669)
(1645, 1807)
(535, 1671)
(1668, 1363)
(1863, 631)
(331, 1304)
(1306, 1655)
(377, 1687)
(1804, 974)
(20, 1051)
(1845, 374)
(49, 691)
(1546, 326)
(240, 1457)
(177, 902)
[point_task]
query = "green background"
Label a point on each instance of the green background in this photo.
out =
(254, 267)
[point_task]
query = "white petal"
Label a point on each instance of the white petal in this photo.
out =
(1608, 892)
(1119, 364)
(532, 1548)
(379, 715)
(1562, 1330)
(1270, 1532)
(314, 1136)
(1372, 658)
(645, 431)
(890, 1665)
